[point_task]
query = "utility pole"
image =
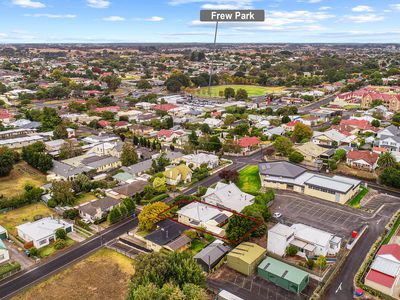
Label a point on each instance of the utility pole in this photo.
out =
(213, 58)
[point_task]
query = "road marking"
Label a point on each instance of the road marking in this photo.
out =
(339, 287)
(377, 222)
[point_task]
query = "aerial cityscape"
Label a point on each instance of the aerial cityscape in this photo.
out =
(199, 149)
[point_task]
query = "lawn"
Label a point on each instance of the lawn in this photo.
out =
(49, 250)
(103, 275)
(83, 198)
(22, 215)
(196, 246)
(392, 231)
(252, 90)
(22, 174)
(249, 180)
(355, 202)
(8, 267)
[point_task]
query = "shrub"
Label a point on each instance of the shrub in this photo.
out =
(51, 203)
(191, 234)
(71, 214)
(61, 234)
(59, 244)
(291, 250)
(33, 251)
(310, 263)
(296, 157)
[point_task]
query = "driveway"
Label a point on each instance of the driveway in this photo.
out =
(18, 256)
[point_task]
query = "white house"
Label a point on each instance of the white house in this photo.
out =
(213, 123)
(229, 196)
(42, 232)
(310, 241)
(196, 160)
(4, 254)
(389, 138)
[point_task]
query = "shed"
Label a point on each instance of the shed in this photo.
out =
(246, 257)
(211, 255)
(288, 277)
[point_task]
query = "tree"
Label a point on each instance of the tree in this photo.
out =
(69, 149)
(229, 119)
(229, 93)
(214, 144)
(35, 156)
(112, 81)
(205, 128)
(114, 215)
(149, 215)
(340, 155)
(129, 156)
(321, 262)
(160, 184)
(81, 184)
(62, 193)
(229, 175)
(291, 250)
(302, 133)
(158, 165)
(310, 263)
(376, 123)
(61, 234)
(60, 132)
(386, 160)
(390, 177)
(193, 138)
(143, 85)
(241, 94)
(285, 119)
(336, 120)
(7, 161)
(177, 81)
(296, 157)
(283, 145)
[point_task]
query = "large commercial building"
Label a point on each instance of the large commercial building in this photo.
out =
(283, 275)
(287, 176)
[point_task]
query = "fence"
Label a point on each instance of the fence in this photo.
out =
(8, 274)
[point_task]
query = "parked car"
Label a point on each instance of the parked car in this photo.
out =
(277, 215)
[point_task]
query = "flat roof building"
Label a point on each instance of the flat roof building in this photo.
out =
(245, 258)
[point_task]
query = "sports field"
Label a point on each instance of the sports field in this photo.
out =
(252, 90)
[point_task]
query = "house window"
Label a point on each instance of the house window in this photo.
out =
(42, 242)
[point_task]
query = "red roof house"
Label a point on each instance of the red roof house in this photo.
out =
(362, 159)
(104, 123)
(165, 107)
(248, 142)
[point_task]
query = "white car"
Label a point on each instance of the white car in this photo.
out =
(277, 215)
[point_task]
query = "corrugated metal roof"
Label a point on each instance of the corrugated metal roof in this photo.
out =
(248, 252)
(283, 270)
(386, 266)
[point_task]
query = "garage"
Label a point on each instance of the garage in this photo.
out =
(283, 275)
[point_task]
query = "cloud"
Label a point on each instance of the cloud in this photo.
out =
(28, 3)
(365, 18)
(395, 7)
(114, 19)
(362, 8)
(217, 4)
(310, 1)
(325, 8)
(98, 3)
(51, 16)
(153, 19)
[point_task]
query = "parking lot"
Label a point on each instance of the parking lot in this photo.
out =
(254, 287)
(334, 218)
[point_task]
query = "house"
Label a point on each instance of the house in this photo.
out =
(141, 130)
(248, 144)
(291, 125)
(4, 254)
(275, 131)
(197, 214)
(3, 233)
(287, 176)
(384, 274)
(211, 255)
(54, 145)
(128, 189)
(310, 241)
(194, 161)
(283, 275)
(97, 209)
(107, 148)
(168, 235)
(332, 138)
(228, 196)
(245, 258)
(165, 107)
(362, 159)
(213, 123)
(20, 142)
(171, 136)
(178, 174)
(389, 138)
(311, 151)
(113, 109)
(101, 163)
(42, 232)
(363, 125)
(62, 171)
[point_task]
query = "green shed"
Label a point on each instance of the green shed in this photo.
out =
(245, 258)
(283, 275)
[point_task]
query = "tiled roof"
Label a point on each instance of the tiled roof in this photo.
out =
(368, 156)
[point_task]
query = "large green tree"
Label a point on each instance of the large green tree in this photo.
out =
(386, 160)
(283, 145)
(302, 133)
(7, 161)
(129, 155)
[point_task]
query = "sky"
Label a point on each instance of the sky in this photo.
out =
(177, 21)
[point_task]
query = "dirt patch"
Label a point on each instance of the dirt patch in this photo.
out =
(346, 170)
(104, 275)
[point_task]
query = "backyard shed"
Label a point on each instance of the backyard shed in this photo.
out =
(283, 275)
(245, 258)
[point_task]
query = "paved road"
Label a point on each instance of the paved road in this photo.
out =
(19, 282)
(15, 284)
(315, 105)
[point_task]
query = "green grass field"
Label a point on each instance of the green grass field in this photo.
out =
(355, 202)
(252, 90)
(249, 180)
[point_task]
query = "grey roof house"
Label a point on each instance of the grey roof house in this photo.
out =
(211, 255)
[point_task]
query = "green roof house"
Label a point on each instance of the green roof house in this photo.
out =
(288, 277)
